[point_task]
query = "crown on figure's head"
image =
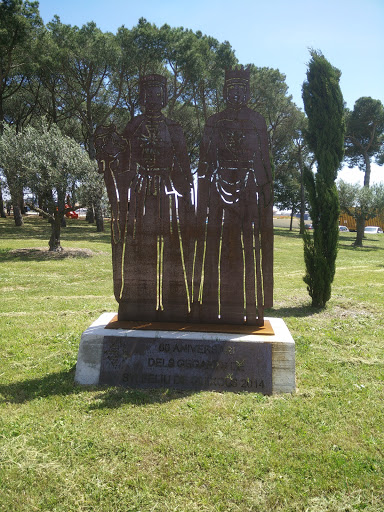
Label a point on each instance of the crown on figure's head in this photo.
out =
(153, 79)
(237, 75)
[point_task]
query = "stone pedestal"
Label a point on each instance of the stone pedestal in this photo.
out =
(263, 363)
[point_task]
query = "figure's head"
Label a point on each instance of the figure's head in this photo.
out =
(153, 91)
(236, 86)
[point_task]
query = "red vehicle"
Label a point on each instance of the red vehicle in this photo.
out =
(71, 214)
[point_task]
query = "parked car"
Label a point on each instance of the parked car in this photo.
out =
(372, 230)
(343, 228)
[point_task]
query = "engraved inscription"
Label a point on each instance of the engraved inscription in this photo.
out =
(115, 353)
(193, 365)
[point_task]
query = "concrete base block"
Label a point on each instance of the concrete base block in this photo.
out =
(187, 360)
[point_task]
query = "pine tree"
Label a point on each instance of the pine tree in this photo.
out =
(324, 106)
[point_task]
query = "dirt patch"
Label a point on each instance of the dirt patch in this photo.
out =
(45, 254)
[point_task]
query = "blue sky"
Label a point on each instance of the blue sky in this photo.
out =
(275, 34)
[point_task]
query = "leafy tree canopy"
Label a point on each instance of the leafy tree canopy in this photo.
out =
(361, 203)
(19, 25)
(364, 140)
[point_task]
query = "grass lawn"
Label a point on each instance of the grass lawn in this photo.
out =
(67, 448)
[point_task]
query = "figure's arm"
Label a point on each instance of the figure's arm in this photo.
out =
(262, 163)
(181, 175)
(110, 145)
(105, 155)
(207, 157)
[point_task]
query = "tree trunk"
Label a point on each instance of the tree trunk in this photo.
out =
(58, 217)
(367, 174)
(2, 211)
(99, 217)
(16, 198)
(17, 215)
(90, 215)
(44, 200)
(97, 210)
(302, 195)
(360, 221)
(40, 204)
(360, 225)
(54, 241)
(291, 223)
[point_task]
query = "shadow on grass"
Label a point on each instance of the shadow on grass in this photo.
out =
(295, 311)
(112, 398)
(346, 238)
(365, 248)
(62, 384)
(32, 228)
(342, 240)
(26, 390)
(285, 232)
(39, 229)
(43, 254)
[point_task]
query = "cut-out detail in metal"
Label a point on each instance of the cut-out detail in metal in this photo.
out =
(170, 262)
(233, 275)
(149, 183)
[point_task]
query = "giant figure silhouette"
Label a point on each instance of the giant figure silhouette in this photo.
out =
(149, 183)
(233, 274)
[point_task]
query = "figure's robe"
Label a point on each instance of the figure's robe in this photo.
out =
(151, 240)
(234, 262)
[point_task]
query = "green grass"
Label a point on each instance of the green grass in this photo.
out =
(68, 448)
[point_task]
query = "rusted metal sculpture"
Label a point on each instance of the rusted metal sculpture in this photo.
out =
(149, 183)
(170, 262)
(233, 277)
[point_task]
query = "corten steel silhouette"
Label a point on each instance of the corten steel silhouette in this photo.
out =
(233, 276)
(149, 183)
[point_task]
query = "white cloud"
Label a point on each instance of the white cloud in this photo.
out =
(354, 175)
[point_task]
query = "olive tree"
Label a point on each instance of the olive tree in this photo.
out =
(50, 163)
(56, 162)
(361, 202)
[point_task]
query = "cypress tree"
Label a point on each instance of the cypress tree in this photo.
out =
(324, 106)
